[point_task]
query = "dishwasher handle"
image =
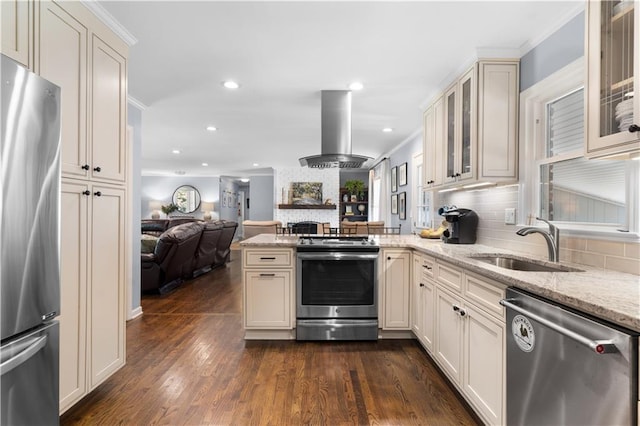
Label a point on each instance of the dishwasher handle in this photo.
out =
(598, 346)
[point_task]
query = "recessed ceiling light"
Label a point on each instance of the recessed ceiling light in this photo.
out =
(212, 128)
(176, 151)
(387, 130)
(356, 85)
(229, 84)
(255, 164)
(205, 164)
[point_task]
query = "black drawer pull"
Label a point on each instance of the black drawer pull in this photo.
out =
(86, 192)
(97, 169)
(421, 285)
(267, 258)
(98, 194)
(634, 128)
(267, 275)
(85, 167)
(427, 267)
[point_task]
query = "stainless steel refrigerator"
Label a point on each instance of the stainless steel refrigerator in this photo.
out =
(29, 247)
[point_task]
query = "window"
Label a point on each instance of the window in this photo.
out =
(374, 203)
(579, 195)
(572, 188)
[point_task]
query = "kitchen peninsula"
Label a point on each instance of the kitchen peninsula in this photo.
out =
(610, 295)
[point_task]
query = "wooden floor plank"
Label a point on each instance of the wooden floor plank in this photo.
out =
(188, 364)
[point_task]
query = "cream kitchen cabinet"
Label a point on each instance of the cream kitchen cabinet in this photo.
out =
(479, 127)
(16, 30)
(613, 65)
(89, 64)
(470, 337)
(423, 300)
(433, 147)
(395, 289)
(269, 289)
(92, 319)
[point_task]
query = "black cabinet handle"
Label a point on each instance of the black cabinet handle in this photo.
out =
(85, 167)
(97, 169)
(456, 308)
(267, 258)
(98, 194)
(634, 128)
(86, 192)
(421, 285)
(462, 312)
(429, 182)
(427, 267)
(389, 258)
(267, 275)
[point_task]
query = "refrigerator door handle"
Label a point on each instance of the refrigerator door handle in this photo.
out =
(598, 346)
(24, 355)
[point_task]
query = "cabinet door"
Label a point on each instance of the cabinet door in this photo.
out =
(449, 328)
(498, 120)
(428, 314)
(16, 30)
(73, 259)
(62, 59)
(108, 113)
(466, 146)
(433, 148)
(417, 294)
(106, 294)
(450, 134)
(484, 362)
(612, 77)
(267, 299)
(397, 281)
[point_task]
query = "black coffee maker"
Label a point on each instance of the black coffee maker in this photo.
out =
(464, 224)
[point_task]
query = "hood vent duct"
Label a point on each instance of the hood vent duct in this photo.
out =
(336, 134)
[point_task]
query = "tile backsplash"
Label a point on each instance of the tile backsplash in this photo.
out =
(490, 204)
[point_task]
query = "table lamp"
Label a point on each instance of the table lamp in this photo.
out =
(207, 208)
(155, 207)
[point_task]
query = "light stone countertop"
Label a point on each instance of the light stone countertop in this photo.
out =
(613, 296)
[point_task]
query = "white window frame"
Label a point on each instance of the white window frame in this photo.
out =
(533, 103)
(417, 194)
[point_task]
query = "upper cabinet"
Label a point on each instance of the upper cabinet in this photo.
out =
(471, 131)
(16, 31)
(613, 66)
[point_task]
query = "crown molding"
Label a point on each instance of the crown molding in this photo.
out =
(136, 103)
(111, 22)
(562, 21)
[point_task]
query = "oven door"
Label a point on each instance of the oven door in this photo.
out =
(337, 285)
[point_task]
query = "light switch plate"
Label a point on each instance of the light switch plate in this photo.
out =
(509, 216)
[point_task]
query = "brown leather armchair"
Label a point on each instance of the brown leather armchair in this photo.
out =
(224, 244)
(207, 250)
(172, 260)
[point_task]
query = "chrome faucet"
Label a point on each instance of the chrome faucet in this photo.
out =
(552, 236)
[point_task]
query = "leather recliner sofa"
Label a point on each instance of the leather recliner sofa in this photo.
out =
(165, 268)
(186, 251)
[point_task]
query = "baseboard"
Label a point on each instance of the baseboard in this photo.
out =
(135, 313)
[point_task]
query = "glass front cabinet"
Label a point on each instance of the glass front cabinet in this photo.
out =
(460, 101)
(613, 67)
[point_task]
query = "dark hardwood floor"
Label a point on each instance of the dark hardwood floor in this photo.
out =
(187, 363)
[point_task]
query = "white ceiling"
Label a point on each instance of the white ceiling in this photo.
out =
(284, 53)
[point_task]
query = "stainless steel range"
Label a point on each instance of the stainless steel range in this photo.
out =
(337, 288)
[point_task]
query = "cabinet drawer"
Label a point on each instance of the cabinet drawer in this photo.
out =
(267, 258)
(427, 267)
(449, 276)
(485, 294)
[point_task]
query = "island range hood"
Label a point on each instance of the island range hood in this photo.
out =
(336, 134)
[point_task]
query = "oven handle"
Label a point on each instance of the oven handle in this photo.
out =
(338, 256)
(598, 346)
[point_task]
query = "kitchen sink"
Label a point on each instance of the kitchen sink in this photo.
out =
(518, 264)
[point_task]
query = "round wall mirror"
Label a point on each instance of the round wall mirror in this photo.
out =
(187, 198)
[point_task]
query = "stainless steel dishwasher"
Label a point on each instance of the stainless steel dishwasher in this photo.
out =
(564, 368)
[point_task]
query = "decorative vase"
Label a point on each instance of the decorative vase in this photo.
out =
(345, 198)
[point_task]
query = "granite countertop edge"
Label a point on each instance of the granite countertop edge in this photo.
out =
(609, 295)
